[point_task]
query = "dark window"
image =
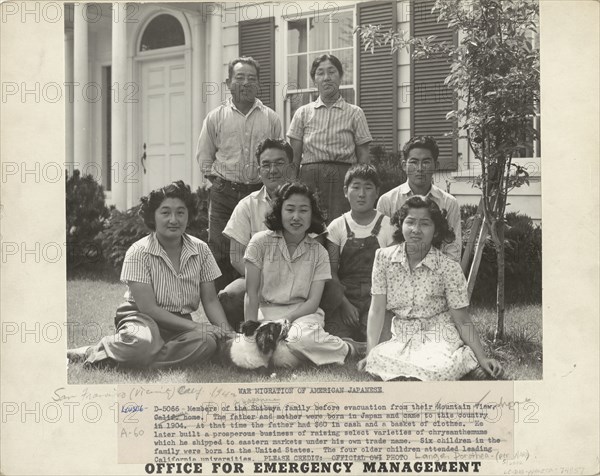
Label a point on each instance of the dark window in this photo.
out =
(163, 31)
(309, 37)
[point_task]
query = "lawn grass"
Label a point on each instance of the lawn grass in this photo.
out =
(91, 304)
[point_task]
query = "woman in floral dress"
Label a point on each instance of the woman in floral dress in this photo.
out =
(433, 335)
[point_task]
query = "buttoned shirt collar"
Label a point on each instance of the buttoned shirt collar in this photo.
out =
(188, 249)
(257, 104)
(433, 191)
(431, 260)
(302, 248)
(263, 195)
(339, 103)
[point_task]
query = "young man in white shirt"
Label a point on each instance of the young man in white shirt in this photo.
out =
(275, 166)
(420, 161)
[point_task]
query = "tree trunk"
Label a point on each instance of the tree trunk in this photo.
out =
(499, 335)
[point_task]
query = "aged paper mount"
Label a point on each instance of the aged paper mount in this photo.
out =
(37, 439)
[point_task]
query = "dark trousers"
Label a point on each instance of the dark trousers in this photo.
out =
(140, 342)
(326, 179)
(224, 196)
(232, 300)
(331, 304)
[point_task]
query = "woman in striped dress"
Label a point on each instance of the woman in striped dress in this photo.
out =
(328, 136)
(168, 273)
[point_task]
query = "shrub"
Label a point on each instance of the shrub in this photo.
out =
(125, 228)
(467, 211)
(198, 227)
(121, 231)
(389, 167)
(86, 212)
(523, 261)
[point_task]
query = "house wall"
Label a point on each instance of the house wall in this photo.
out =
(526, 199)
(100, 56)
(233, 14)
(404, 76)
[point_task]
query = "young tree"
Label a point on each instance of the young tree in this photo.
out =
(495, 76)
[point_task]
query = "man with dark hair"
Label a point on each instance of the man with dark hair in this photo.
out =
(328, 136)
(352, 242)
(225, 153)
(275, 164)
(419, 161)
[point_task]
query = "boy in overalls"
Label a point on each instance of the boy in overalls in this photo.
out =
(352, 241)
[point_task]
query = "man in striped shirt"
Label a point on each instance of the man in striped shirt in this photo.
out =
(225, 153)
(420, 160)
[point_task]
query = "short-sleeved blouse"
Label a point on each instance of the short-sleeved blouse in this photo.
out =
(329, 134)
(146, 261)
(436, 285)
(286, 279)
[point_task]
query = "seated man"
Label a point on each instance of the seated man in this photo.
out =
(352, 242)
(419, 161)
(275, 161)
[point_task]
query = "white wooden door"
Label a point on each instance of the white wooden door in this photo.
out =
(165, 123)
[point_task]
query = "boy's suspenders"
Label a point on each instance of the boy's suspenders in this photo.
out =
(374, 232)
(356, 258)
(377, 228)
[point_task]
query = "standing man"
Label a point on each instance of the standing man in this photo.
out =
(274, 158)
(420, 161)
(225, 153)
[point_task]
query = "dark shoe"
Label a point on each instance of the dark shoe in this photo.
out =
(405, 379)
(355, 349)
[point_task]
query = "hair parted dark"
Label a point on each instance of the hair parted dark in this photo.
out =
(364, 172)
(421, 142)
(274, 144)
(319, 59)
(443, 233)
(244, 60)
(153, 200)
(273, 220)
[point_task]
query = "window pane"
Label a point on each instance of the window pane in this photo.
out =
(297, 72)
(297, 36)
(162, 32)
(298, 100)
(346, 57)
(319, 33)
(342, 25)
(530, 146)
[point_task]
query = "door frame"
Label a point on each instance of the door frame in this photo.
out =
(135, 186)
